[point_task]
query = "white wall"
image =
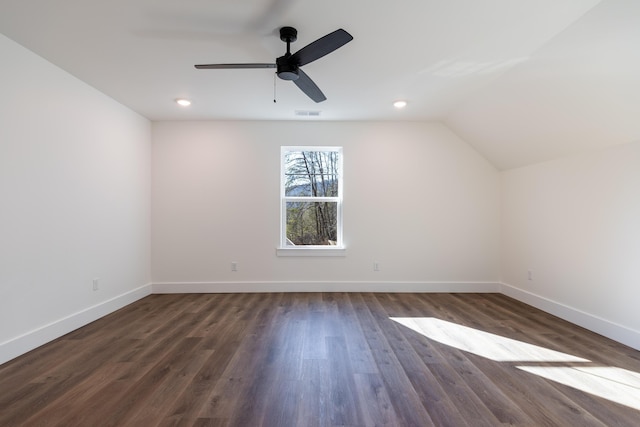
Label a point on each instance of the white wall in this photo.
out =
(74, 202)
(418, 200)
(575, 223)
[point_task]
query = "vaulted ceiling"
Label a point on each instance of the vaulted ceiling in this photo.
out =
(523, 81)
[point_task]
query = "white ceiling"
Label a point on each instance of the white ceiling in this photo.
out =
(521, 80)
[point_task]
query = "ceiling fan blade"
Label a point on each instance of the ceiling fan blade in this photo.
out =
(307, 85)
(321, 47)
(232, 66)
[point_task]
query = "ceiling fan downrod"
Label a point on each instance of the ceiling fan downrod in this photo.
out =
(286, 69)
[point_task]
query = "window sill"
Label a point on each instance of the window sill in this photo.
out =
(316, 251)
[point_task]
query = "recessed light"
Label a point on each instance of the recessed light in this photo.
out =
(183, 102)
(400, 104)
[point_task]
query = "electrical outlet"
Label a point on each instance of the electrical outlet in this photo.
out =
(96, 284)
(234, 266)
(529, 275)
(376, 266)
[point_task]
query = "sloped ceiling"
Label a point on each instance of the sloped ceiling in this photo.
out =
(580, 91)
(523, 81)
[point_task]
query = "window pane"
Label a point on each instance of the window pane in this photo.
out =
(311, 174)
(312, 223)
(311, 186)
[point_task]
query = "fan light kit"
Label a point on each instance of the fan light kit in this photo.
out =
(183, 102)
(400, 104)
(288, 66)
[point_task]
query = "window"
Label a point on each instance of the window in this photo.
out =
(311, 201)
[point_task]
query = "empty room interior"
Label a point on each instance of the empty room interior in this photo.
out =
(296, 213)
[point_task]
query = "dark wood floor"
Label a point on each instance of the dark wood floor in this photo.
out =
(331, 359)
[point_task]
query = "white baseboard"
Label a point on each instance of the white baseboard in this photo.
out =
(33, 339)
(601, 326)
(356, 286)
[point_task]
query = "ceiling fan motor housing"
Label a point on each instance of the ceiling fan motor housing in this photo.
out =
(286, 70)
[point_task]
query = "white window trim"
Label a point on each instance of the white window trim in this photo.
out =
(310, 250)
(324, 251)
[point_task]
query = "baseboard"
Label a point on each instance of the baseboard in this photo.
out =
(33, 339)
(601, 326)
(301, 286)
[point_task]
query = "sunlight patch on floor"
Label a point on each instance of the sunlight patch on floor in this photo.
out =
(599, 381)
(614, 384)
(482, 343)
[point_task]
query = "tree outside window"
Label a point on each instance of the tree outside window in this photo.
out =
(311, 196)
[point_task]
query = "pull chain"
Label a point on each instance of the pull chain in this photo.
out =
(274, 88)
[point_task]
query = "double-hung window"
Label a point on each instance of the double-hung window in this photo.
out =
(311, 201)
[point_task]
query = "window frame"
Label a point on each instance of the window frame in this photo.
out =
(311, 250)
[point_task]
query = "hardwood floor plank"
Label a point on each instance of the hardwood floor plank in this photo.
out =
(162, 398)
(458, 394)
(276, 382)
(453, 366)
(37, 395)
(342, 403)
(314, 344)
(56, 412)
(405, 400)
(554, 333)
(360, 354)
(443, 408)
(28, 367)
(315, 394)
(377, 408)
(207, 396)
(323, 360)
(283, 403)
(510, 388)
(210, 422)
(134, 395)
(167, 348)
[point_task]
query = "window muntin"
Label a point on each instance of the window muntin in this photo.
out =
(311, 197)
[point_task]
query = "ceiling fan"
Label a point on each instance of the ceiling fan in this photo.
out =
(288, 65)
